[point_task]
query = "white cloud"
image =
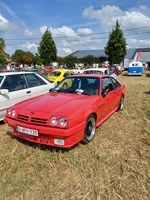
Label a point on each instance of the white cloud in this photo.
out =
(12, 13)
(108, 15)
(29, 46)
(6, 26)
(63, 31)
(81, 31)
(28, 33)
(67, 50)
(3, 20)
(43, 29)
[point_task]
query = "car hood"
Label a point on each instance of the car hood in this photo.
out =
(58, 103)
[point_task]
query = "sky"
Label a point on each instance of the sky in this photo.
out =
(74, 24)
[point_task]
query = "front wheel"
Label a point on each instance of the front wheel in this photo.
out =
(121, 104)
(90, 129)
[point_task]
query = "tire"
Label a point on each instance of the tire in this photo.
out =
(90, 130)
(121, 104)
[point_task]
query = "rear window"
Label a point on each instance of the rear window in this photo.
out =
(34, 80)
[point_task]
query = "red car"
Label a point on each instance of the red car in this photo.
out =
(114, 70)
(69, 113)
(47, 69)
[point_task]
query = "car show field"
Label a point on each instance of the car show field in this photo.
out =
(113, 166)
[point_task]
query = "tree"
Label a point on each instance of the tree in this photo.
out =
(47, 49)
(3, 56)
(70, 61)
(60, 60)
(17, 57)
(37, 59)
(2, 60)
(88, 60)
(116, 45)
(2, 44)
(28, 58)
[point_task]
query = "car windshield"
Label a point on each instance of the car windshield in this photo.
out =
(78, 85)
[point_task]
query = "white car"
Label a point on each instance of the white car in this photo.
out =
(18, 86)
(97, 71)
(78, 71)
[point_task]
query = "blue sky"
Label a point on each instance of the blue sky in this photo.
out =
(74, 24)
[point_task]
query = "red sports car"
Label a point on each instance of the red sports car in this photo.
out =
(69, 113)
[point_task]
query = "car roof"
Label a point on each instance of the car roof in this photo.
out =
(15, 73)
(96, 69)
(62, 70)
(90, 75)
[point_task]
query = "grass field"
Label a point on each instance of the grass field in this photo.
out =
(114, 166)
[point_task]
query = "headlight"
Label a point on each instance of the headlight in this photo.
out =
(59, 121)
(63, 121)
(9, 111)
(13, 112)
(54, 120)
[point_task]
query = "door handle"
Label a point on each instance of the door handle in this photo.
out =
(28, 92)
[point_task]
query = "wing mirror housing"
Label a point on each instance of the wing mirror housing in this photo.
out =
(104, 93)
(4, 91)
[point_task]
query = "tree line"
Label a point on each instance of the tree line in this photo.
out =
(115, 51)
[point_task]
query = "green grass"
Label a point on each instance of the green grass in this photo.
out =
(114, 166)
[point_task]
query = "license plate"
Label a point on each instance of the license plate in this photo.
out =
(27, 131)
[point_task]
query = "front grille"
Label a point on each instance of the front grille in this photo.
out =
(38, 120)
(33, 120)
(22, 117)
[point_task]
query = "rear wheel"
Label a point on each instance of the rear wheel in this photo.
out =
(90, 129)
(121, 104)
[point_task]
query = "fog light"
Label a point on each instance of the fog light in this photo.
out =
(59, 142)
(10, 129)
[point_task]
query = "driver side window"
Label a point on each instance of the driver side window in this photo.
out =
(107, 84)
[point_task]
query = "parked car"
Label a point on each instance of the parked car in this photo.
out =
(58, 74)
(77, 70)
(99, 71)
(96, 71)
(114, 70)
(69, 113)
(18, 86)
(135, 68)
(47, 69)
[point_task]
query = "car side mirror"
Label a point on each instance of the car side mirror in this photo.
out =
(4, 91)
(104, 93)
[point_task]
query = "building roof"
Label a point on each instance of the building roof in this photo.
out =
(131, 53)
(84, 53)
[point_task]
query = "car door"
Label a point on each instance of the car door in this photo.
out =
(36, 85)
(108, 95)
(16, 91)
(112, 93)
(117, 91)
(103, 102)
(21, 87)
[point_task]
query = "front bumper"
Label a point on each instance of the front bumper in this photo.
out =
(52, 136)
